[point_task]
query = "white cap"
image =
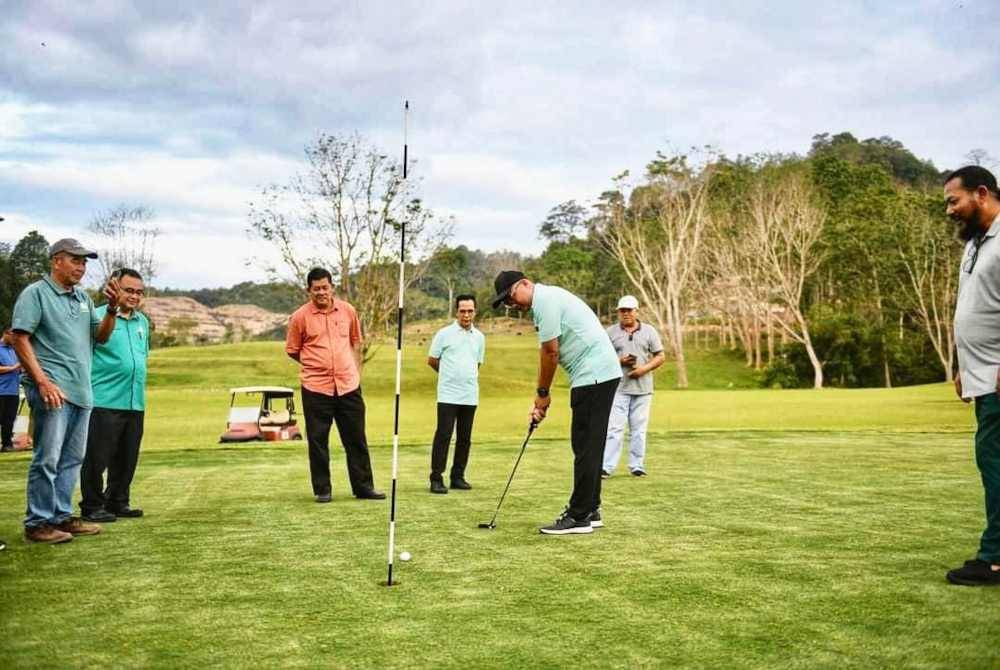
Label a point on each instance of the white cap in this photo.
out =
(628, 302)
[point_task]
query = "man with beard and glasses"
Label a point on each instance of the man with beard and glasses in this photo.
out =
(570, 336)
(973, 203)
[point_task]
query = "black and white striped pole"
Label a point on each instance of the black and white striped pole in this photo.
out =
(399, 360)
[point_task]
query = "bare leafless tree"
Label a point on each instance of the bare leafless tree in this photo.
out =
(656, 233)
(345, 212)
(786, 227)
(126, 239)
(931, 257)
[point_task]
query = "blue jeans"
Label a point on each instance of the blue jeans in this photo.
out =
(634, 411)
(60, 438)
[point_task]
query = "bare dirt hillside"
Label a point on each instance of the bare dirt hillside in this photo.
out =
(190, 321)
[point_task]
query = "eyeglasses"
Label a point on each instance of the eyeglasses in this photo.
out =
(134, 291)
(970, 261)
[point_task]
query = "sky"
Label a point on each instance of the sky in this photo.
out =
(191, 108)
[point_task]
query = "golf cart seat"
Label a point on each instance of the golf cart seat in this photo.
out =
(278, 417)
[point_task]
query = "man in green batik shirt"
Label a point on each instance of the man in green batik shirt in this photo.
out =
(116, 422)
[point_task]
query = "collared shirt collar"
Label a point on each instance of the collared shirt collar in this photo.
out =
(472, 326)
(317, 310)
(62, 290)
(994, 228)
(638, 326)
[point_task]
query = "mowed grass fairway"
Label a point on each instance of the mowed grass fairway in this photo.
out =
(776, 529)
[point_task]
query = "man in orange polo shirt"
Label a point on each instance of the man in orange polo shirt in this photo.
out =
(324, 336)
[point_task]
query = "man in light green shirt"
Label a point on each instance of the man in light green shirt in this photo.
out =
(116, 422)
(571, 336)
(55, 327)
(456, 353)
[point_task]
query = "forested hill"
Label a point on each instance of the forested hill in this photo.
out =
(274, 297)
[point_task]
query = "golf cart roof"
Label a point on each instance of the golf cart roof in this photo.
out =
(271, 390)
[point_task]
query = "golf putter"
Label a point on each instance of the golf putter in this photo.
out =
(493, 522)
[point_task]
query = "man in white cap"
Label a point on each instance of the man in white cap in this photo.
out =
(639, 352)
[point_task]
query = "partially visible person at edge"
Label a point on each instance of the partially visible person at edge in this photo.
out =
(10, 377)
(973, 203)
(570, 335)
(639, 352)
(55, 327)
(324, 336)
(456, 353)
(118, 380)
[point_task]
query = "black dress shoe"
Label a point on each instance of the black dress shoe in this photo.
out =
(371, 494)
(460, 484)
(127, 512)
(324, 497)
(438, 486)
(98, 516)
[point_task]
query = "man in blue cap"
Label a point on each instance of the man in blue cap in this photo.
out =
(55, 328)
(571, 336)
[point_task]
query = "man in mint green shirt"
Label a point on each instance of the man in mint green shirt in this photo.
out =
(571, 336)
(456, 353)
(118, 379)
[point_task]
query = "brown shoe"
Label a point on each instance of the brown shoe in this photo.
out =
(76, 526)
(46, 534)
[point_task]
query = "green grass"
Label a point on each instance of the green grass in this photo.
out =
(777, 529)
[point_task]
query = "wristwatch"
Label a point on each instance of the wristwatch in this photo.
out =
(112, 310)
(542, 392)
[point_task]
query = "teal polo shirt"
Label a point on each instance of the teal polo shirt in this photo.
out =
(62, 323)
(460, 353)
(585, 352)
(119, 375)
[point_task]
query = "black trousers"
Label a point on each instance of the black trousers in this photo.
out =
(112, 444)
(8, 413)
(448, 416)
(591, 406)
(348, 412)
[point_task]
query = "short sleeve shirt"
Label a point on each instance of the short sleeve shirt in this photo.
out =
(119, 370)
(8, 380)
(977, 315)
(324, 341)
(643, 343)
(61, 323)
(585, 352)
(460, 353)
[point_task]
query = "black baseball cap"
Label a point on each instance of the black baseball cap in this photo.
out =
(502, 285)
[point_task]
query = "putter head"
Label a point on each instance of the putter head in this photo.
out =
(491, 526)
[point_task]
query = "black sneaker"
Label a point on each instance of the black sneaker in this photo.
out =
(7, 447)
(437, 486)
(638, 472)
(595, 519)
(127, 512)
(460, 483)
(324, 497)
(98, 516)
(975, 573)
(605, 474)
(567, 525)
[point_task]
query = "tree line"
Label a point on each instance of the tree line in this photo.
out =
(833, 268)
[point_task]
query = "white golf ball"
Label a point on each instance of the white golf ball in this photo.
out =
(404, 556)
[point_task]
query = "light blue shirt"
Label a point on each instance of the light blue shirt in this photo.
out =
(585, 352)
(460, 353)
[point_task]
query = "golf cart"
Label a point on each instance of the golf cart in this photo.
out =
(272, 419)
